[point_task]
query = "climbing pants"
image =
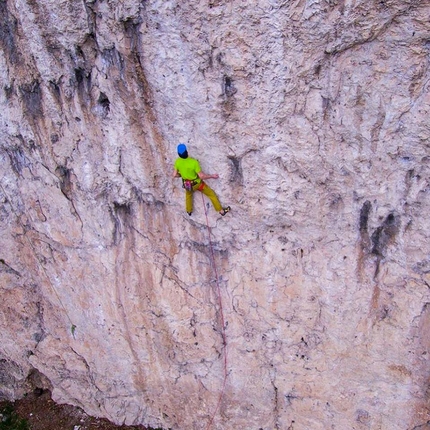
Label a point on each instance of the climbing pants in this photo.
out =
(207, 191)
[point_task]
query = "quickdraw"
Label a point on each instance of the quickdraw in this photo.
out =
(188, 184)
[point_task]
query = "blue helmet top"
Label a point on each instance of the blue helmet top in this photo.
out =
(182, 148)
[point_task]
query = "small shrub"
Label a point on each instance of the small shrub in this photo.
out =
(9, 420)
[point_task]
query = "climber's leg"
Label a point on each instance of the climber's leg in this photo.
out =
(189, 202)
(209, 192)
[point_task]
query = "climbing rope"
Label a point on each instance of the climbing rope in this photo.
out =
(221, 313)
(72, 326)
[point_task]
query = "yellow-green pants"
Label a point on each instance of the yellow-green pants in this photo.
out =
(207, 191)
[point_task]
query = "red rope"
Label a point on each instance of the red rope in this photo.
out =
(221, 313)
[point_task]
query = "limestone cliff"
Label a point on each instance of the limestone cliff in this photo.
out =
(315, 115)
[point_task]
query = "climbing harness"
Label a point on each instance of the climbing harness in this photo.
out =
(189, 184)
(221, 315)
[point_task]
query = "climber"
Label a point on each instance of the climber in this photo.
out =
(189, 170)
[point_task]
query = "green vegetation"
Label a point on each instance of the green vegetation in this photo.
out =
(9, 420)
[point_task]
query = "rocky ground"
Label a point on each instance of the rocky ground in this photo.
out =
(38, 411)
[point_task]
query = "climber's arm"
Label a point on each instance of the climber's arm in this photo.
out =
(205, 176)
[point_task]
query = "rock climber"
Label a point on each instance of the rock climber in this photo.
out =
(192, 176)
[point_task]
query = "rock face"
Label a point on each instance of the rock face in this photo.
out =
(315, 115)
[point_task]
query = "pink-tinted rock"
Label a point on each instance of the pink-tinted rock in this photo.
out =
(315, 116)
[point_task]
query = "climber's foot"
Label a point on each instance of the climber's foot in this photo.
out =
(225, 210)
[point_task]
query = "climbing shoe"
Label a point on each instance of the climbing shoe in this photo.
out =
(189, 213)
(225, 210)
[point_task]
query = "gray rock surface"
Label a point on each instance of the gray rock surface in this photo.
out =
(315, 115)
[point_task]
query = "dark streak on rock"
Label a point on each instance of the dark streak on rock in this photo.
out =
(83, 83)
(364, 215)
(131, 29)
(104, 104)
(17, 158)
(64, 175)
(229, 89)
(31, 94)
(4, 267)
(8, 90)
(122, 215)
(114, 58)
(364, 237)
(55, 90)
(385, 234)
(8, 32)
(236, 173)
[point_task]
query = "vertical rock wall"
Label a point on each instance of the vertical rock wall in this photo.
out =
(315, 115)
